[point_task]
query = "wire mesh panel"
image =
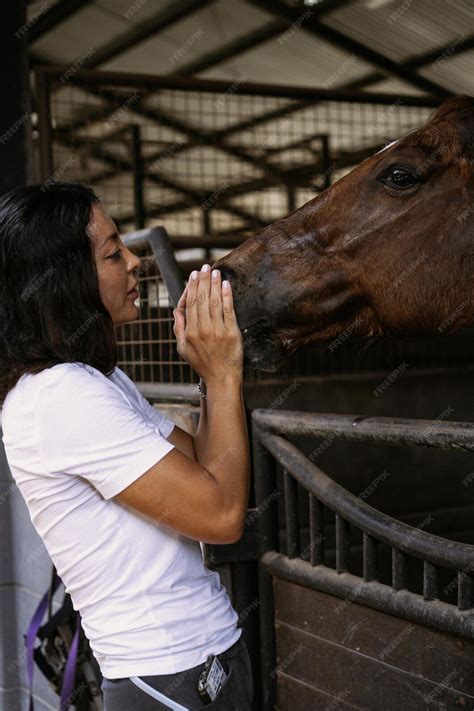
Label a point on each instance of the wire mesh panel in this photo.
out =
(147, 350)
(146, 347)
(210, 162)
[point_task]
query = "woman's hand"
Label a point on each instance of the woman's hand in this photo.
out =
(206, 328)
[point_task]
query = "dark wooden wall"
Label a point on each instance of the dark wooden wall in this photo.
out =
(335, 654)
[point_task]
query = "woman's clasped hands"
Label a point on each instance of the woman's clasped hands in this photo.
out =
(206, 329)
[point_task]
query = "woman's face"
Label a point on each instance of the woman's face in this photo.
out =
(117, 267)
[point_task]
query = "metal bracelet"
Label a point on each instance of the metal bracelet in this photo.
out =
(202, 391)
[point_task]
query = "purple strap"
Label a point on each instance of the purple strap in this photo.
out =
(67, 687)
(69, 671)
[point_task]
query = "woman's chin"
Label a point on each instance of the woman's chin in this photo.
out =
(128, 314)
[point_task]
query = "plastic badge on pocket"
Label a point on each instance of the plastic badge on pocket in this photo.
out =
(212, 679)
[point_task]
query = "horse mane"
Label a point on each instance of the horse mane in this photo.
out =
(463, 105)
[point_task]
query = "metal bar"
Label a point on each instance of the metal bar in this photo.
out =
(340, 159)
(191, 196)
(199, 137)
(316, 531)
(233, 48)
(328, 167)
(457, 436)
(440, 551)
(416, 62)
(297, 176)
(291, 515)
(266, 495)
(291, 199)
(178, 392)
(432, 55)
(252, 39)
(162, 248)
(369, 558)
(85, 77)
(225, 240)
(349, 44)
(343, 545)
(16, 168)
(162, 20)
(404, 604)
(142, 341)
(43, 107)
(399, 570)
(167, 264)
(138, 177)
(169, 392)
(430, 581)
(464, 591)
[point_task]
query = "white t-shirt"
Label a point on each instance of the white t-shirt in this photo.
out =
(74, 438)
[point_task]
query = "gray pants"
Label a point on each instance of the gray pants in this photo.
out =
(235, 695)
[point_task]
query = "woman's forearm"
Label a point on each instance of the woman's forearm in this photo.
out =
(226, 454)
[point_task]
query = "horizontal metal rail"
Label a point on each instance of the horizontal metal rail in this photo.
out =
(414, 541)
(149, 81)
(389, 430)
(170, 392)
(402, 603)
(270, 446)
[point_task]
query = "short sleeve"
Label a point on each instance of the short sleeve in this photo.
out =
(164, 424)
(87, 428)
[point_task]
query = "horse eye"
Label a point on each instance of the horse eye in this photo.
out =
(400, 178)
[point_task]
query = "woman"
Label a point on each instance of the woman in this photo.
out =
(120, 495)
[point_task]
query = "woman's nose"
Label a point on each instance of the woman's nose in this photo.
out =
(135, 263)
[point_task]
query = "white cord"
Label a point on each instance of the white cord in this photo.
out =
(157, 694)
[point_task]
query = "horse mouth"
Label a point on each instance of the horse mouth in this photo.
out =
(263, 349)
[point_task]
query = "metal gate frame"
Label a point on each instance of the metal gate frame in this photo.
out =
(163, 251)
(270, 445)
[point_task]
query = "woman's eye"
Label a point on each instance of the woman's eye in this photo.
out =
(115, 255)
(400, 178)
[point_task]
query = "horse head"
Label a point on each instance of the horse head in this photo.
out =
(385, 250)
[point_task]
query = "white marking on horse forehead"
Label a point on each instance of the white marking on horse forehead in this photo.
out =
(387, 146)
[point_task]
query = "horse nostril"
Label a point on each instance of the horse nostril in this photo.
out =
(229, 274)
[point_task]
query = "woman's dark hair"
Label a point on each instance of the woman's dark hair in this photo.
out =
(50, 306)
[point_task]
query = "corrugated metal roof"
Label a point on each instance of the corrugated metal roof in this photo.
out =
(399, 30)
(297, 57)
(402, 29)
(455, 73)
(201, 32)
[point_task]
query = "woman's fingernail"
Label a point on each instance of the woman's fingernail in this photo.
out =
(194, 275)
(205, 268)
(225, 284)
(215, 273)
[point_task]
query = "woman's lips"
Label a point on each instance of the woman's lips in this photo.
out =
(133, 294)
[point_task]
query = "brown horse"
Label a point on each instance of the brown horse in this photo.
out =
(385, 250)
